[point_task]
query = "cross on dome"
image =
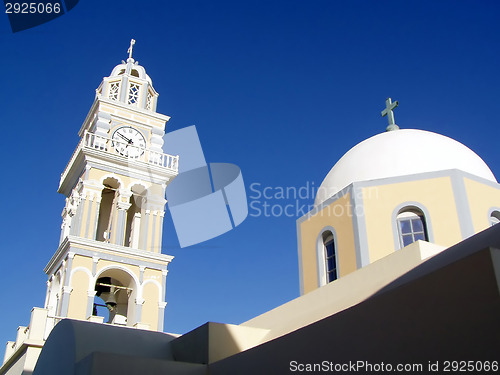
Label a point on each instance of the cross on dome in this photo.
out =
(389, 112)
(130, 49)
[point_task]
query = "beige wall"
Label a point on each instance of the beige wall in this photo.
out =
(482, 198)
(150, 306)
(339, 216)
(436, 195)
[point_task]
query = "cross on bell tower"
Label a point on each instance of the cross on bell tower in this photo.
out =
(389, 112)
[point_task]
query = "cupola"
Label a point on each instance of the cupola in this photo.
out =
(128, 83)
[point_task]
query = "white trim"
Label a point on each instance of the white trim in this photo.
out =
(86, 270)
(407, 206)
(158, 285)
(102, 246)
(320, 255)
(124, 269)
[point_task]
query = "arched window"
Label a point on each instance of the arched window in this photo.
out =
(133, 224)
(116, 292)
(411, 226)
(330, 256)
(495, 218)
(107, 210)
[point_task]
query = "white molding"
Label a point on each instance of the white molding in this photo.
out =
(124, 269)
(69, 241)
(94, 109)
(85, 270)
(158, 285)
(85, 156)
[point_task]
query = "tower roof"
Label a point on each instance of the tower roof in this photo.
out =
(129, 84)
(131, 67)
(400, 153)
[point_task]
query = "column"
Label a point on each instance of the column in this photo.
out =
(90, 302)
(136, 230)
(139, 301)
(161, 315)
(93, 230)
(143, 242)
(47, 296)
(91, 216)
(66, 289)
(66, 223)
(138, 309)
(162, 304)
(74, 209)
(121, 222)
(154, 244)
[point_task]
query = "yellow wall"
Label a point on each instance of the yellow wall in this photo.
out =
(77, 308)
(150, 306)
(482, 198)
(436, 195)
(339, 216)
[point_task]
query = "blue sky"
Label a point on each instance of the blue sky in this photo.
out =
(281, 88)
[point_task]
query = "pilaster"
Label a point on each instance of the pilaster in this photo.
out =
(121, 221)
(161, 315)
(66, 289)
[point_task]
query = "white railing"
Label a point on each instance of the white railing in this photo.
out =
(133, 153)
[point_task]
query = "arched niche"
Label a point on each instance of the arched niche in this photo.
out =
(116, 293)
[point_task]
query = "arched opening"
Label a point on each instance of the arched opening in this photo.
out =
(116, 292)
(494, 217)
(54, 295)
(330, 256)
(412, 226)
(107, 209)
(133, 224)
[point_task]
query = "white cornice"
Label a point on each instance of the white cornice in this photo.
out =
(100, 99)
(85, 156)
(72, 242)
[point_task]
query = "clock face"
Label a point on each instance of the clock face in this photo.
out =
(128, 141)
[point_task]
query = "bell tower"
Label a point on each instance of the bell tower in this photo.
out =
(109, 266)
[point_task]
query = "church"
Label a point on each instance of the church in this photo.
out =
(399, 260)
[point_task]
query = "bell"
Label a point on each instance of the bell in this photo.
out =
(107, 292)
(110, 298)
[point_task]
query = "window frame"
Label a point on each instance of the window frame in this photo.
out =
(410, 218)
(415, 207)
(321, 255)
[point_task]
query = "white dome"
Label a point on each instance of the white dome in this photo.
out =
(399, 153)
(131, 67)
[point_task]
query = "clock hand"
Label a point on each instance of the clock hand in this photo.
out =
(129, 141)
